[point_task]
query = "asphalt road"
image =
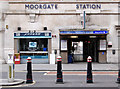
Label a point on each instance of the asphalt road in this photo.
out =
(42, 80)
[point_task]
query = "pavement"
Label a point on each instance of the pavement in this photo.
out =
(73, 69)
(65, 67)
(83, 73)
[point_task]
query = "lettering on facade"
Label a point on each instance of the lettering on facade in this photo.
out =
(41, 6)
(88, 6)
(55, 6)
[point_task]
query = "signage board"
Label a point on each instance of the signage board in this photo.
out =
(63, 45)
(100, 32)
(10, 58)
(88, 6)
(55, 6)
(102, 44)
(83, 32)
(33, 35)
(41, 6)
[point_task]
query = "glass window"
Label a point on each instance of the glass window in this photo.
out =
(34, 44)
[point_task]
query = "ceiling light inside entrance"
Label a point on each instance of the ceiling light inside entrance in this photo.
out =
(73, 36)
(92, 36)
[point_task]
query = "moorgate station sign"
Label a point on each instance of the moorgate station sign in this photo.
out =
(88, 6)
(41, 6)
(55, 6)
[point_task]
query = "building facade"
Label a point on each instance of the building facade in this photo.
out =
(71, 28)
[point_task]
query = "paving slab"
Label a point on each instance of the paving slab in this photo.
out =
(65, 67)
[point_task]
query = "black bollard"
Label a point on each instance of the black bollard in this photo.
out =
(29, 71)
(118, 79)
(59, 71)
(89, 70)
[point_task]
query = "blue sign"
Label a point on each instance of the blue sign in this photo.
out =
(83, 32)
(102, 53)
(33, 35)
(100, 32)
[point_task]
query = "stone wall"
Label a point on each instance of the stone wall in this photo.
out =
(66, 16)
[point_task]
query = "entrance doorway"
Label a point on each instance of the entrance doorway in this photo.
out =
(77, 45)
(82, 47)
(90, 48)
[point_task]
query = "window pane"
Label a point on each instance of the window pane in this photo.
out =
(34, 44)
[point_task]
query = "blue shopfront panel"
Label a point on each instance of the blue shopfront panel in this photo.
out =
(35, 59)
(33, 35)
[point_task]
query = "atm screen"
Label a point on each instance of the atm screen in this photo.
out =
(32, 44)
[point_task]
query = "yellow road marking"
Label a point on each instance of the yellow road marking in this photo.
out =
(22, 85)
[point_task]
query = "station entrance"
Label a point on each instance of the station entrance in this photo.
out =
(79, 47)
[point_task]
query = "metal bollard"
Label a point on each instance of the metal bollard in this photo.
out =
(89, 70)
(29, 71)
(10, 68)
(59, 71)
(118, 79)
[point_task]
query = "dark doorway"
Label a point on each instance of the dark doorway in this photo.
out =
(88, 49)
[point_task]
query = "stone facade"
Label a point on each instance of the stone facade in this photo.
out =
(63, 16)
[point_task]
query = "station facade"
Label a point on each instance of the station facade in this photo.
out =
(43, 30)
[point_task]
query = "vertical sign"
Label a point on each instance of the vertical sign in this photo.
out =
(63, 44)
(84, 19)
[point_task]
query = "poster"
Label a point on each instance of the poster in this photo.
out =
(63, 44)
(102, 44)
